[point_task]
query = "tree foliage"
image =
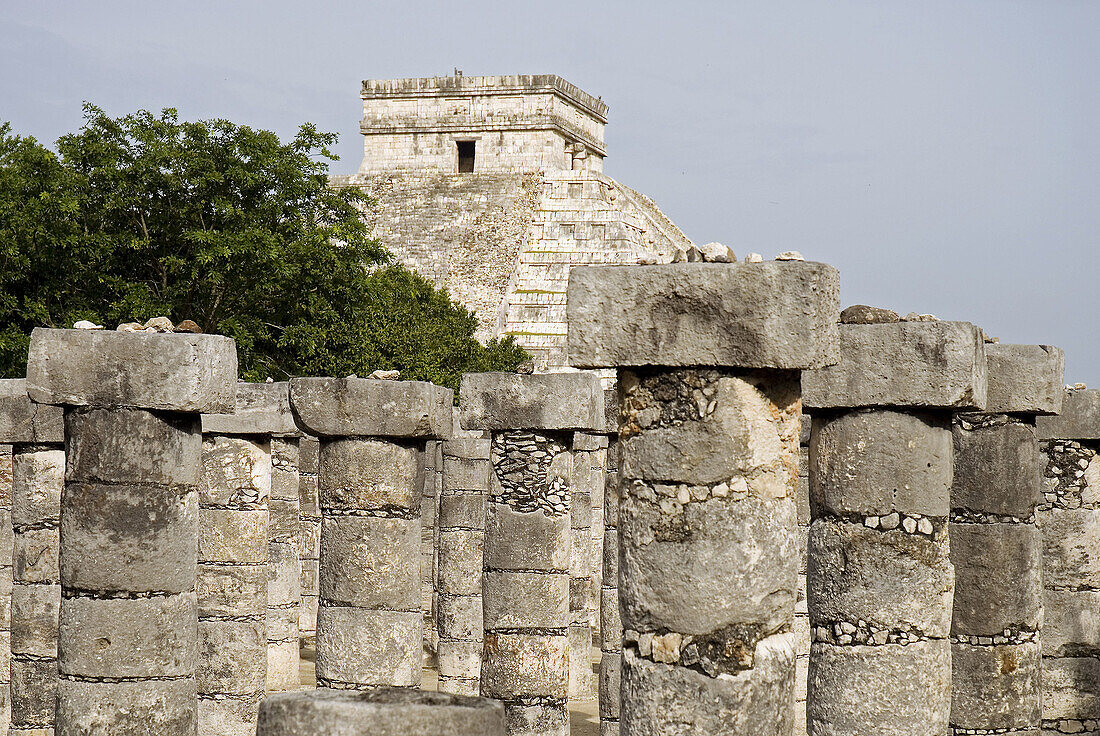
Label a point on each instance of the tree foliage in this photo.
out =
(147, 215)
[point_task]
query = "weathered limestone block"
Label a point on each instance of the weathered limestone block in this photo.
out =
(309, 535)
(995, 687)
(381, 712)
(611, 627)
(499, 401)
(1079, 420)
(901, 690)
(1024, 379)
(761, 315)
(369, 621)
(998, 583)
(6, 545)
(23, 421)
(261, 408)
(907, 364)
(173, 372)
(128, 635)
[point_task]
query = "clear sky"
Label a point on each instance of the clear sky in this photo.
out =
(943, 155)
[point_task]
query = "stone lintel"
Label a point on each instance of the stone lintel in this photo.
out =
(904, 364)
(778, 314)
(24, 421)
(467, 448)
(262, 408)
(1079, 420)
(173, 372)
(364, 407)
(500, 401)
(1024, 379)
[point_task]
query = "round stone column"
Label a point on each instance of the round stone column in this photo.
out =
(36, 432)
(284, 591)
(1069, 522)
(611, 626)
(309, 537)
(708, 359)
(879, 578)
(128, 634)
(462, 510)
(527, 570)
(369, 623)
(586, 483)
(996, 547)
(382, 711)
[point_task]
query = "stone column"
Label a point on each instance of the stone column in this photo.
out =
(7, 543)
(879, 577)
(431, 469)
(309, 539)
(802, 634)
(36, 433)
(525, 660)
(381, 712)
(245, 473)
(611, 626)
(1069, 522)
(462, 509)
(996, 546)
(128, 633)
(369, 624)
(587, 481)
(284, 591)
(708, 357)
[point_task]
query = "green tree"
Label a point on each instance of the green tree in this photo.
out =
(225, 225)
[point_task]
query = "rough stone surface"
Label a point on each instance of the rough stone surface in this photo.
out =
(132, 446)
(22, 420)
(503, 401)
(381, 712)
(861, 314)
(874, 462)
(997, 470)
(1079, 420)
(333, 407)
(761, 315)
(174, 372)
(997, 578)
(908, 364)
(662, 700)
(367, 648)
(1024, 379)
(996, 687)
(369, 474)
(262, 408)
(854, 679)
(126, 708)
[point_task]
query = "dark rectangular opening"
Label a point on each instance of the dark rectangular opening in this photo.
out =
(465, 156)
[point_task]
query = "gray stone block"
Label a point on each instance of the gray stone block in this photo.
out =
(874, 462)
(462, 474)
(37, 479)
(707, 565)
(1071, 623)
(284, 524)
(1071, 688)
(463, 510)
(35, 554)
(502, 401)
(382, 712)
(344, 407)
(129, 537)
(369, 474)
(525, 665)
(998, 578)
(1071, 547)
(611, 625)
(665, 700)
(235, 471)
(610, 551)
(588, 442)
(1024, 379)
(908, 364)
(34, 613)
(885, 578)
(23, 421)
(261, 408)
(33, 696)
(583, 683)
(127, 708)
(173, 372)
(309, 451)
(610, 679)
(459, 562)
(536, 720)
(366, 647)
(283, 580)
(460, 617)
(1079, 420)
(889, 690)
(232, 657)
(232, 590)
(517, 540)
(467, 448)
(996, 687)
(370, 561)
(997, 470)
(132, 446)
(525, 600)
(460, 658)
(231, 535)
(229, 715)
(128, 638)
(759, 315)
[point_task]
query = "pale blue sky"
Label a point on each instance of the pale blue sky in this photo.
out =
(943, 155)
